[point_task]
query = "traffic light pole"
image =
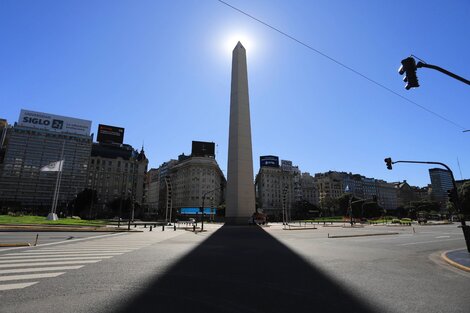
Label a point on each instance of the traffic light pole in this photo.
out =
(444, 71)
(465, 228)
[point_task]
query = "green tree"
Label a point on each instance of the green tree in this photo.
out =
(328, 205)
(464, 194)
(82, 203)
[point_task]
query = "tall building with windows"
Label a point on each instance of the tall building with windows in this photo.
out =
(277, 186)
(191, 177)
(116, 171)
(441, 182)
(36, 140)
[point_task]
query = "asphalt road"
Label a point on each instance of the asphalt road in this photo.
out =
(240, 269)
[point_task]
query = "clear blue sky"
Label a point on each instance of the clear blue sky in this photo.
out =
(161, 69)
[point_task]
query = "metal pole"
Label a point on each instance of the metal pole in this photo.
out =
(202, 212)
(440, 69)
(458, 204)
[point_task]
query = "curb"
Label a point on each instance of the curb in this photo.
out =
(298, 228)
(18, 244)
(453, 263)
(362, 235)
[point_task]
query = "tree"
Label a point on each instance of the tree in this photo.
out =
(121, 207)
(328, 205)
(464, 194)
(371, 209)
(82, 203)
(303, 208)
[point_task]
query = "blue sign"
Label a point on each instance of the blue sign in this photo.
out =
(269, 161)
(194, 211)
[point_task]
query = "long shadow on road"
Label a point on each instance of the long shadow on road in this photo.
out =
(244, 269)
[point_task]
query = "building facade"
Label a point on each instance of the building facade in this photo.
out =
(278, 186)
(180, 185)
(441, 182)
(37, 140)
(116, 171)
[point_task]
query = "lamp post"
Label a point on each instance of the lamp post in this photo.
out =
(284, 206)
(202, 207)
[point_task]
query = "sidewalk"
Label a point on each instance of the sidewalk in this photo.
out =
(459, 258)
(58, 228)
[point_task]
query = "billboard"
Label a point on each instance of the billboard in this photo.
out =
(110, 134)
(286, 165)
(268, 161)
(55, 123)
(197, 211)
(202, 149)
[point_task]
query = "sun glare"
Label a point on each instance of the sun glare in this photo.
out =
(233, 39)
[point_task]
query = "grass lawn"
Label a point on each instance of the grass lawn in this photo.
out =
(31, 219)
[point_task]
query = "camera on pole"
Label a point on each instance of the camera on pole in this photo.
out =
(408, 67)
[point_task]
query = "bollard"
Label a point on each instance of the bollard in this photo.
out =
(174, 227)
(135, 225)
(145, 225)
(154, 225)
(36, 242)
(163, 227)
(194, 228)
(150, 228)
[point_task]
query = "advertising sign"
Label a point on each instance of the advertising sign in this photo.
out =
(56, 123)
(286, 165)
(110, 134)
(202, 149)
(269, 161)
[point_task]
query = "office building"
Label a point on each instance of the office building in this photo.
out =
(36, 140)
(441, 182)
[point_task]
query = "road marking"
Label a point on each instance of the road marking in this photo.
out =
(432, 241)
(16, 286)
(68, 252)
(41, 269)
(77, 250)
(56, 259)
(48, 263)
(442, 237)
(34, 256)
(30, 276)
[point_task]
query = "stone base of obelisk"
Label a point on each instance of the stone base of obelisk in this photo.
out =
(237, 220)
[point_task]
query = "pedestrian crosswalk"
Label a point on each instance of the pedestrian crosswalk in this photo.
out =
(23, 269)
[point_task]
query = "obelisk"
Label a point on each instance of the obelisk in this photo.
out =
(240, 186)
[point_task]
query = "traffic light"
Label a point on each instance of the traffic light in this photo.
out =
(408, 67)
(452, 195)
(388, 162)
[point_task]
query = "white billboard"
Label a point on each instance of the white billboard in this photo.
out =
(56, 123)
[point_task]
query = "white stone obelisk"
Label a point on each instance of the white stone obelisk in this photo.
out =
(240, 185)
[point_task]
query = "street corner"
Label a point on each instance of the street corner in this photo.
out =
(458, 258)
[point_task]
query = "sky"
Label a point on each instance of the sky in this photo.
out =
(162, 69)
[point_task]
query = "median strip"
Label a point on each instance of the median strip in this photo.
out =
(361, 235)
(18, 244)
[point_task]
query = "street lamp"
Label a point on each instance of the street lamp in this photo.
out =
(347, 191)
(284, 206)
(202, 207)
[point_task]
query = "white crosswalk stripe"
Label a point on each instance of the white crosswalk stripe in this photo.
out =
(40, 269)
(25, 268)
(29, 276)
(16, 286)
(48, 263)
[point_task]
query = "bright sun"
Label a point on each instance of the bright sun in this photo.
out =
(233, 39)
